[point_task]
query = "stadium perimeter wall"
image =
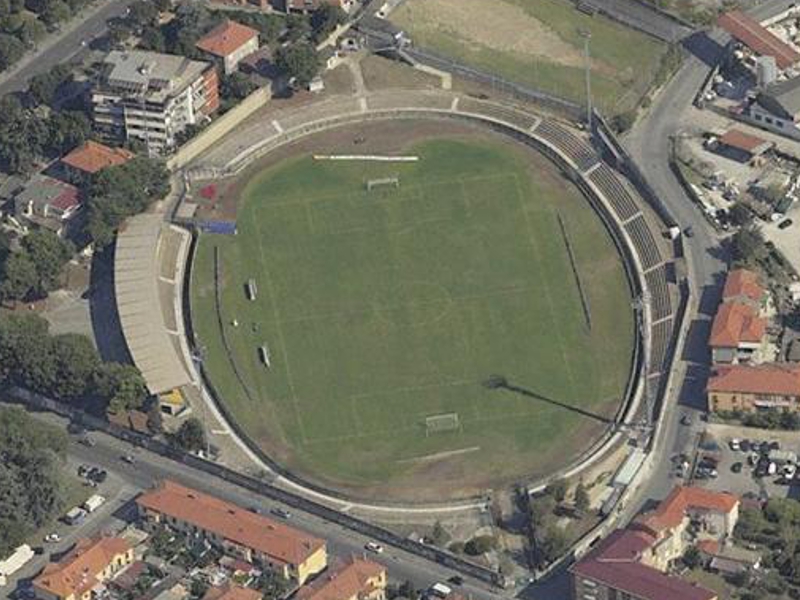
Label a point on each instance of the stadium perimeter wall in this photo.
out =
(628, 409)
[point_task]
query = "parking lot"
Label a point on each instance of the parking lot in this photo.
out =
(747, 461)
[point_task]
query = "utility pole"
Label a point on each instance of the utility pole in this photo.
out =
(587, 36)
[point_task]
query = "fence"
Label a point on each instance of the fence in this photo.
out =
(40, 403)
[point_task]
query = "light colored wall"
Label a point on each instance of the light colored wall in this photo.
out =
(219, 128)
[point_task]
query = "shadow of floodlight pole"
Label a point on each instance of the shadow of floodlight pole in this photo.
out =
(498, 382)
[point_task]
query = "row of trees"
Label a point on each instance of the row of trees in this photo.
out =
(24, 22)
(65, 367)
(31, 492)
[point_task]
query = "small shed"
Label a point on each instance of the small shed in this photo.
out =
(743, 146)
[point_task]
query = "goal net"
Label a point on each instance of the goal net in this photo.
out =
(383, 182)
(442, 423)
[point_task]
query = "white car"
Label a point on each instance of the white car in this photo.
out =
(373, 547)
(52, 538)
(735, 444)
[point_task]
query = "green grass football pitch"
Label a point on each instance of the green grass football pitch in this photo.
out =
(382, 308)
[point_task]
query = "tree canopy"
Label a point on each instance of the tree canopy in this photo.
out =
(31, 492)
(116, 193)
(299, 61)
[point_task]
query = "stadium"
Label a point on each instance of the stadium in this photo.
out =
(421, 304)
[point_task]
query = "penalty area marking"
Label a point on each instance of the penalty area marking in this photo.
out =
(440, 455)
(366, 157)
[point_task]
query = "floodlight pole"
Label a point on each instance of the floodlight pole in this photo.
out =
(587, 36)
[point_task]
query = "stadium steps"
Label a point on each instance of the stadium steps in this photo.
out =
(578, 151)
(614, 191)
(644, 242)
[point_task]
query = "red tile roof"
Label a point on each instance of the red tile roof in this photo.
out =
(673, 508)
(226, 38)
(281, 543)
(736, 323)
(736, 138)
(77, 572)
(352, 579)
(231, 592)
(758, 38)
(774, 379)
(91, 157)
(742, 283)
(615, 563)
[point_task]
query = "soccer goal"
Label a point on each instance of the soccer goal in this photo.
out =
(442, 423)
(383, 182)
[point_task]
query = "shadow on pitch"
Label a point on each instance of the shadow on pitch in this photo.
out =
(498, 382)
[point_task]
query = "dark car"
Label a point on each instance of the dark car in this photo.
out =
(736, 467)
(456, 580)
(774, 445)
(97, 475)
(686, 419)
(744, 445)
(785, 223)
(280, 512)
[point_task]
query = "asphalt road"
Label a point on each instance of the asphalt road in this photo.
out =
(649, 143)
(150, 468)
(63, 46)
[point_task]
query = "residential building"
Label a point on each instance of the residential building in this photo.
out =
(758, 38)
(777, 108)
(228, 43)
(87, 567)
(293, 554)
(153, 97)
(232, 592)
(748, 388)
(737, 333)
(91, 157)
(614, 570)
(728, 558)
(49, 203)
(739, 329)
(712, 515)
(358, 579)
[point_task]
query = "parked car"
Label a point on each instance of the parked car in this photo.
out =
(686, 419)
(373, 547)
(734, 444)
(745, 445)
(785, 223)
(52, 538)
(456, 580)
(280, 512)
(87, 441)
(128, 459)
(736, 467)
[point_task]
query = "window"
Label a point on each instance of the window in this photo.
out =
(768, 120)
(758, 117)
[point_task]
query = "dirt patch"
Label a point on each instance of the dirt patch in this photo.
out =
(495, 25)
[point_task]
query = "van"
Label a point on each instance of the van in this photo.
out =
(440, 590)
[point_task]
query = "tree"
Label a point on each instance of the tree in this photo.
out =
(747, 245)
(740, 215)
(325, 19)
(67, 130)
(43, 86)
(18, 278)
(581, 498)
(122, 386)
(541, 509)
(11, 50)
(299, 61)
(76, 361)
(30, 489)
(237, 86)
(49, 253)
(298, 27)
(692, 557)
(552, 542)
(56, 11)
(439, 535)
(557, 489)
(190, 435)
(480, 544)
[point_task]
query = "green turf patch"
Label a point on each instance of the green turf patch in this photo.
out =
(383, 308)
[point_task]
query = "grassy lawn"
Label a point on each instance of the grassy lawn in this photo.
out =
(75, 494)
(383, 308)
(624, 60)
